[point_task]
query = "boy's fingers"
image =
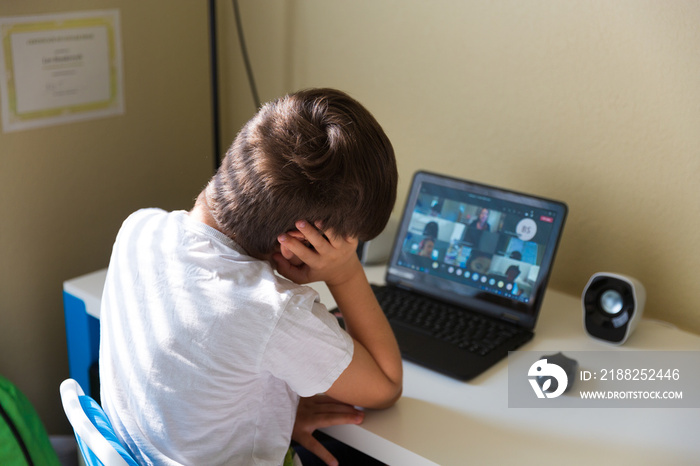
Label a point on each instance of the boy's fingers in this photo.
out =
(296, 247)
(316, 235)
(284, 250)
(290, 256)
(312, 234)
(288, 270)
(334, 239)
(336, 419)
(330, 235)
(297, 234)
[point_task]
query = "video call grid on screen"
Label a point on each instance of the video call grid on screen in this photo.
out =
(489, 243)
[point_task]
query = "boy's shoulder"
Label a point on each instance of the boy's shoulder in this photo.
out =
(148, 212)
(142, 215)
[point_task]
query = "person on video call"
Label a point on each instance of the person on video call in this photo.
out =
(477, 227)
(426, 247)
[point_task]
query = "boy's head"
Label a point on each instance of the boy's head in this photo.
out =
(315, 155)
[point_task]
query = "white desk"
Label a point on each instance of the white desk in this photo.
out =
(440, 420)
(443, 421)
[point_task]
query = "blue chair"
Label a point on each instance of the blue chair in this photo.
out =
(97, 441)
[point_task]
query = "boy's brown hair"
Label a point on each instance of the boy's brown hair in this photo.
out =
(315, 155)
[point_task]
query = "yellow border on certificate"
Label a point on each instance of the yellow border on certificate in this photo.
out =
(107, 21)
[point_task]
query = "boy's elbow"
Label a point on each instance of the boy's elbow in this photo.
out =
(364, 383)
(391, 389)
(389, 397)
(393, 399)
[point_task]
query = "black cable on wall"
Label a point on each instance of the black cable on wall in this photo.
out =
(244, 52)
(214, 71)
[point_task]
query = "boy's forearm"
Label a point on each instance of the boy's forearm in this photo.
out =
(366, 323)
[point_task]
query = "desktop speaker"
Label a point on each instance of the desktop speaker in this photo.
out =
(612, 306)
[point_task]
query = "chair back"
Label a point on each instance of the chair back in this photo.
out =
(96, 438)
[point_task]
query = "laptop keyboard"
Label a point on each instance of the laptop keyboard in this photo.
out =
(468, 331)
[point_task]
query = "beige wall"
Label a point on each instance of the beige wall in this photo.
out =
(64, 190)
(593, 102)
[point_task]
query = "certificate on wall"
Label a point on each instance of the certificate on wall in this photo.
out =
(60, 68)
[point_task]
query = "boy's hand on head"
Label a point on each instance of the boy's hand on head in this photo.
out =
(309, 255)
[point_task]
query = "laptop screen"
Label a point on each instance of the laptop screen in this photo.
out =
(482, 247)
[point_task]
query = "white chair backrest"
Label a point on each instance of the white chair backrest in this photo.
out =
(83, 427)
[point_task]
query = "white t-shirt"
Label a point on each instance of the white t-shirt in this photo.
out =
(204, 350)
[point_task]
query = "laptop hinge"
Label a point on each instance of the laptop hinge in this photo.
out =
(511, 318)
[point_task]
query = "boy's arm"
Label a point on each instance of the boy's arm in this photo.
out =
(374, 378)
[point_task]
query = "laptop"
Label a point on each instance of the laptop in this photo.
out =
(467, 272)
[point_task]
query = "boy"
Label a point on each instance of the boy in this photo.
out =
(205, 351)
